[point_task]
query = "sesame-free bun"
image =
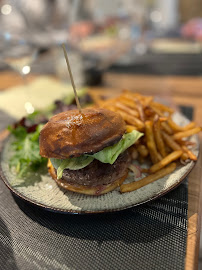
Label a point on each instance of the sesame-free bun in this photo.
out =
(71, 133)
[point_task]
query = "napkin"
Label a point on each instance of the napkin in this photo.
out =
(41, 92)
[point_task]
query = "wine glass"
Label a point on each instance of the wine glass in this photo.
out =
(19, 54)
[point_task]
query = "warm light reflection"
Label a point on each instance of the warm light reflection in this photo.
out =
(26, 70)
(29, 108)
(6, 9)
(156, 16)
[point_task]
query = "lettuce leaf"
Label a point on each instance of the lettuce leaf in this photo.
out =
(26, 151)
(111, 153)
(107, 155)
(76, 163)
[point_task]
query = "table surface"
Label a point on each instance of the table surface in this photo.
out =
(178, 90)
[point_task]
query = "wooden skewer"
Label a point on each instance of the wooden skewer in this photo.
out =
(71, 78)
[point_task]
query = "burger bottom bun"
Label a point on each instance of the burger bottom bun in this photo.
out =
(88, 190)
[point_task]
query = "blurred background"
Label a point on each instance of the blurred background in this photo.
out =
(135, 36)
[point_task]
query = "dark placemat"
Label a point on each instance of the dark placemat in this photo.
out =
(151, 236)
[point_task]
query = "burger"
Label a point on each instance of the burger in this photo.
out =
(88, 150)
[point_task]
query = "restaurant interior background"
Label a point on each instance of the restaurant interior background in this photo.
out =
(154, 37)
(148, 37)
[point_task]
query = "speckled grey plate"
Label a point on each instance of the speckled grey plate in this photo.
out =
(41, 190)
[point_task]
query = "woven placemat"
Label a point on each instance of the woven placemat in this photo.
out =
(151, 236)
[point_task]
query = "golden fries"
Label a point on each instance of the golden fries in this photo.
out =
(165, 161)
(170, 142)
(167, 128)
(158, 138)
(184, 156)
(175, 127)
(142, 150)
(164, 140)
(187, 143)
(187, 133)
(132, 120)
(130, 128)
(128, 102)
(189, 153)
(150, 142)
(157, 111)
(148, 179)
(124, 108)
(162, 107)
(140, 110)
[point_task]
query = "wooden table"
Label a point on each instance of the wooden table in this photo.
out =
(178, 90)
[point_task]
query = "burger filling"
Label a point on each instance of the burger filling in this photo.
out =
(108, 155)
(98, 173)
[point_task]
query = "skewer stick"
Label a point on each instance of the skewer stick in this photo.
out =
(71, 78)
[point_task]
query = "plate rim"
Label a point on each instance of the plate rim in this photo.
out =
(82, 212)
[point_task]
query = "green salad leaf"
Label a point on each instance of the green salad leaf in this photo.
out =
(111, 153)
(107, 155)
(26, 150)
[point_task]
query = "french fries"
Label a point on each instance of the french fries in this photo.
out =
(132, 120)
(140, 110)
(165, 161)
(162, 107)
(175, 127)
(170, 142)
(164, 141)
(189, 153)
(130, 128)
(150, 142)
(158, 137)
(187, 133)
(142, 150)
(148, 179)
(167, 128)
(124, 108)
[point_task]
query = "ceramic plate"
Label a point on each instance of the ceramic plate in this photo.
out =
(41, 190)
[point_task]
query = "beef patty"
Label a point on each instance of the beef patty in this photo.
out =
(98, 173)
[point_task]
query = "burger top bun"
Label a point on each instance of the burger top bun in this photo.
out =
(71, 133)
